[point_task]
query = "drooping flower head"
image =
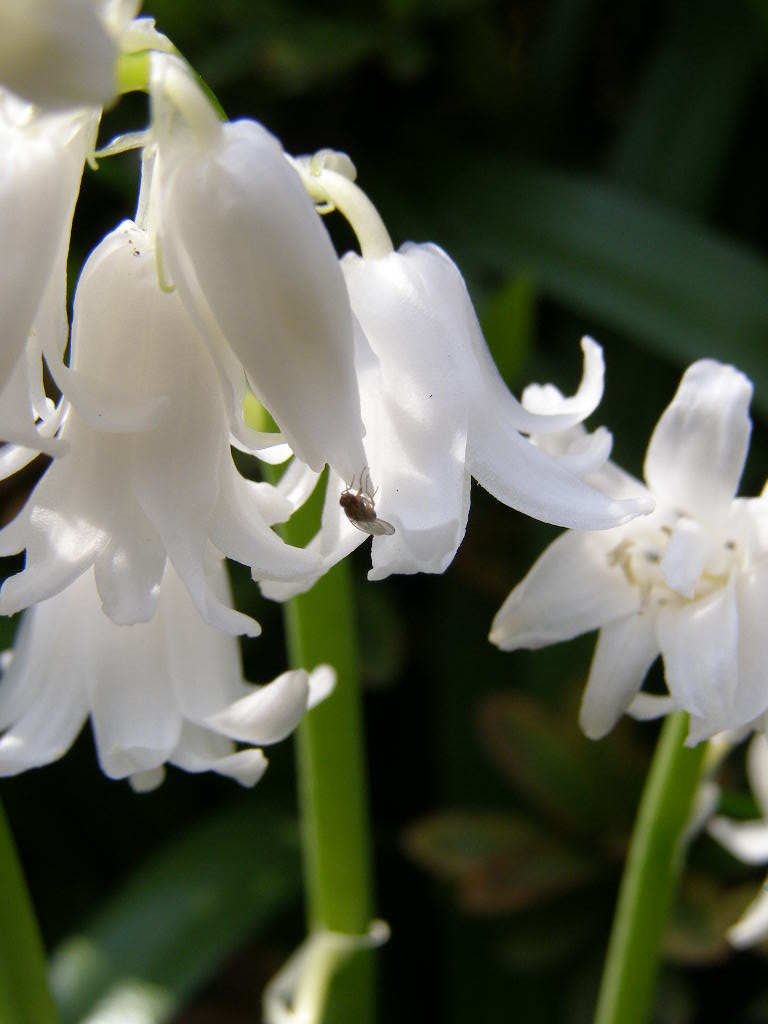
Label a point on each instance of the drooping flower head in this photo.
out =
(149, 475)
(255, 266)
(435, 408)
(690, 581)
(166, 691)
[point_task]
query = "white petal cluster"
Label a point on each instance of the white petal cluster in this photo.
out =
(226, 286)
(689, 582)
(125, 532)
(149, 474)
(437, 412)
(168, 690)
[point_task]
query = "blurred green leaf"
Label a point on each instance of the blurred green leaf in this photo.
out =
(178, 917)
(678, 134)
(501, 862)
(675, 287)
(509, 322)
(589, 788)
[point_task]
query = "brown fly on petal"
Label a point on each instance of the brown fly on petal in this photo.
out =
(360, 510)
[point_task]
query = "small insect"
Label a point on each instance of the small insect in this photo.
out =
(360, 509)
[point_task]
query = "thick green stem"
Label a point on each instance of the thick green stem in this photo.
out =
(24, 994)
(332, 760)
(321, 627)
(650, 875)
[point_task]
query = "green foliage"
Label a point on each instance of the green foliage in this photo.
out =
(179, 916)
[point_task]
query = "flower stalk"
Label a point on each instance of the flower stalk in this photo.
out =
(332, 785)
(650, 875)
(24, 994)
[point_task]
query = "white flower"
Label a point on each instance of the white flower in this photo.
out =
(251, 260)
(748, 841)
(149, 475)
(690, 581)
(169, 690)
(41, 164)
(437, 413)
(435, 408)
(57, 53)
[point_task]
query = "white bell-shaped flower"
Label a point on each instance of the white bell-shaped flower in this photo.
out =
(438, 413)
(444, 415)
(138, 488)
(58, 53)
(436, 410)
(689, 581)
(252, 261)
(170, 690)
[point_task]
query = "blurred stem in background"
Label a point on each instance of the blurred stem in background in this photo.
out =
(652, 869)
(24, 994)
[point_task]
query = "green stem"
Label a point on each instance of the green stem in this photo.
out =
(24, 993)
(332, 780)
(650, 874)
(331, 760)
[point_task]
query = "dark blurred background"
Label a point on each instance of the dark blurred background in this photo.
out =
(593, 168)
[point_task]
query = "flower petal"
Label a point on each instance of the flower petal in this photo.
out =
(41, 699)
(697, 451)
(322, 682)
(625, 650)
(238, 530)
(42, 165)
(135, 715)
(699, 645)
(522, 476)
(57, 53)
(129, 570)
(335, 539)
(752, 926)
(410, 363)
(43, 734)
(686, 555)
(268, 714)
(558, 414)
(746, 840)
(645, 707)
(250, 256)
(752, 601)
(202, 751)
(573, 588)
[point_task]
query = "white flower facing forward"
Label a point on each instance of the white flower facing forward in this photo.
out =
(255, 266)
(690, 581)
(170, 690)
(160, 485)
(748, 841)
(435, 408)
